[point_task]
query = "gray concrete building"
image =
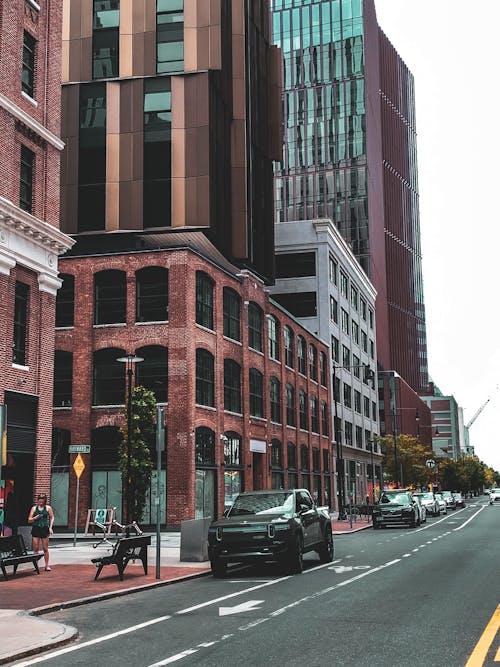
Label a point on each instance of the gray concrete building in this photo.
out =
(319, 281)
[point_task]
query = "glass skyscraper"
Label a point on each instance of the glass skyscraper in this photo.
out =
(350, 155)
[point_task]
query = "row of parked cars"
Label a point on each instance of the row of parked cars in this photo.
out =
(401, 506)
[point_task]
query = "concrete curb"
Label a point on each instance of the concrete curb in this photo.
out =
(57, 606)
(352, 530)
(68, 634)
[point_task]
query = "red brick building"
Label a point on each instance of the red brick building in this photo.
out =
(30, 241)
(244, 385)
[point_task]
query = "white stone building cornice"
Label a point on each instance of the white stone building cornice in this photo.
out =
(30, 122)
(32, 243)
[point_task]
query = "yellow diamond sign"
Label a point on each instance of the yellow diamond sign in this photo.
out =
(78, 466)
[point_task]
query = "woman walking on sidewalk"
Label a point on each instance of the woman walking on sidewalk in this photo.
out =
(42, 518)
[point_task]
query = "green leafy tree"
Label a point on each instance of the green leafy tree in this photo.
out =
(411, 458)
(466, 474)
(141, 442)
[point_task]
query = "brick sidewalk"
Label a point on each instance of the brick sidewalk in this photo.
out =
(27, 590)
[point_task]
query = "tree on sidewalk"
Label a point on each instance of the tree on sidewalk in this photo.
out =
(143, 409)
(411, 457)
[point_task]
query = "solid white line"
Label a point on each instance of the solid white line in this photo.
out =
(470, 519)
(92, 642)
(175, 658)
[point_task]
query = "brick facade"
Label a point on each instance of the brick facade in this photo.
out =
(182, 336)
(30, 242)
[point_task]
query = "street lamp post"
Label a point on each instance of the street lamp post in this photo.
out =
(372, 444)
(340, 455)
(129, 360)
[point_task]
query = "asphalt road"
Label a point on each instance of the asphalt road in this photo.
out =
(395, 596)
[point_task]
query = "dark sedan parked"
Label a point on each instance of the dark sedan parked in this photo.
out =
(395, 507)
(276, 525)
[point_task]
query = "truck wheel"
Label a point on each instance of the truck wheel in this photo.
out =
(295, 559)
(219, 568)
(326, 549)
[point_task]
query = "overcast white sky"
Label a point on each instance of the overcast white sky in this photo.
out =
(452, 51)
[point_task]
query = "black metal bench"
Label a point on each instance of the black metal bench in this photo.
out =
(13, 552)
(125, 550)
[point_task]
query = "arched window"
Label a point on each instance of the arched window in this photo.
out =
(205, 446)
(275, 399)
(290, 405)
(323, 369)
(151, 301)
(256, 393)
(110, 297)
(109, 377)
(205, 379)
(65, 301)
(301, 355)
(314, 415)
(255, 319)
(204, 300)
(232, 386)
(231, 309)
(63, 379)
(288, 338)
(273, 328)
(313, 363)
(325, 419)
(105, 442)
(61, 438)
(152, 373)
(303, 410)
(304, 457)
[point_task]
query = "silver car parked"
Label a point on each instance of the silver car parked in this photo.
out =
(422, 512)
(442, 503)
(430, 503)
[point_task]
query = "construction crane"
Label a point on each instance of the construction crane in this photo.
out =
(481, 409)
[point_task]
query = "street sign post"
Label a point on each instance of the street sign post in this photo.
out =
(160, 447)
(78, 467)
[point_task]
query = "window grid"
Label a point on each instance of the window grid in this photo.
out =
(28, 69)
(204, 300)
(205, 379)
(20, 331)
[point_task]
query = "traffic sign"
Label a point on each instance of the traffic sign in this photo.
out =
(78, 466)
(430, 463)
(79, 449)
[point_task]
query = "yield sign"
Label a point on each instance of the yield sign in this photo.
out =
(78, 466)
(250, 605)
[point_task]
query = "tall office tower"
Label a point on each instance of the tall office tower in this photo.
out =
(171, 116)
(30, 242)
(350, 155)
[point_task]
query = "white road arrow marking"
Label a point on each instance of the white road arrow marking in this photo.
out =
(340, 569)
(250, 605)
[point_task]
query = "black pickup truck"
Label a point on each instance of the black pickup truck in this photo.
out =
(275, 525)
